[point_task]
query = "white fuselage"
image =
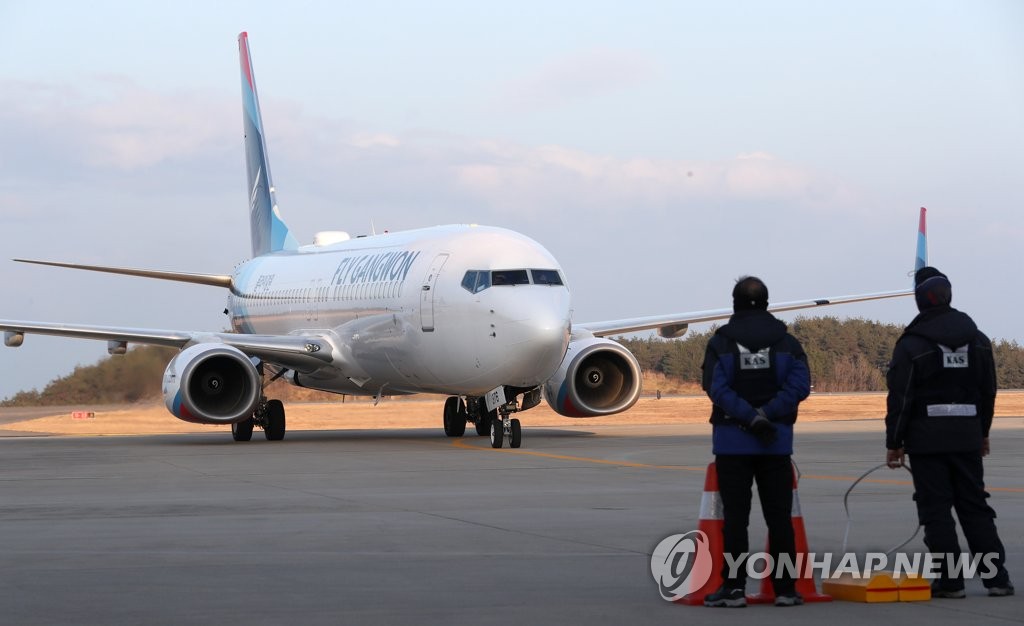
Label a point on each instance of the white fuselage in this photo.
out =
(398, 317)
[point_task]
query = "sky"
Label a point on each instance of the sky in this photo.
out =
(659, 150)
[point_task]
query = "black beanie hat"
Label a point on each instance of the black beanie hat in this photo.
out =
(749, 294)
(931, 288)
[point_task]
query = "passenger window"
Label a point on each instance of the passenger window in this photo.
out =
(546, 277)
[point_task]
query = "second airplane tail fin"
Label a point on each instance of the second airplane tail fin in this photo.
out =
(921, 256)
(921, 259)
(269, 232)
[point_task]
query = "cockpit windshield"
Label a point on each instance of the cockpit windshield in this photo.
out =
(509, 277)
(546, 277)
(476, 281)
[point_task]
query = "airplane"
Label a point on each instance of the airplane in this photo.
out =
(479, 314)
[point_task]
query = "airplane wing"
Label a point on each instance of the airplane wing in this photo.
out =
(297, 352)
(214, 280)
(674, 325)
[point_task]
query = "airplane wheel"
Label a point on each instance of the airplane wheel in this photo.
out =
(515, 439)
(483, 424)
(497, 433)
(242, 431)
(274, 430)
(454, 418)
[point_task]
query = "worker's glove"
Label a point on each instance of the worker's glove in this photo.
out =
(762, 429)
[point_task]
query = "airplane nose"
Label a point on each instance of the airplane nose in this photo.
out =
(536, 342)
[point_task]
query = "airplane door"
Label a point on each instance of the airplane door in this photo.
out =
(427, 293)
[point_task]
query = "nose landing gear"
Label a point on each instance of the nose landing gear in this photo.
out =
(497, 422)
(506, 428)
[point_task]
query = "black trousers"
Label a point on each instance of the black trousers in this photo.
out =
(957, 481)
(774, 476)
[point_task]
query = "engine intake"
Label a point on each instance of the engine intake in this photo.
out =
(211, 384)
(597, 377)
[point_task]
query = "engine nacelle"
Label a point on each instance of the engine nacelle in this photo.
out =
(596, 377)
(211, 383)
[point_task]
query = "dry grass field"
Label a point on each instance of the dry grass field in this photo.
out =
(425, 412)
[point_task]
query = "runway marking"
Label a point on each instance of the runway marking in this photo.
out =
(462, 444)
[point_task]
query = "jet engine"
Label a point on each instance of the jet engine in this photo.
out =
(211, 383)
(596, 377)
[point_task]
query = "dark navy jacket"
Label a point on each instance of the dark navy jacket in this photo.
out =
(753, 362)
(942, 385)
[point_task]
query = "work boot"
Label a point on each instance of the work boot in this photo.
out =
(726, 597)
(938, 591)
(789, 599)
(998, 592)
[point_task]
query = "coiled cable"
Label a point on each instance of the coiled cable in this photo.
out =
(849, 518)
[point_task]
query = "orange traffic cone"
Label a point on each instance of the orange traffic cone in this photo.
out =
(710, 523)
(805, 581)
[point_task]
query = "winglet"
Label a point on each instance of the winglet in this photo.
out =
(921, 259)
(269, 232)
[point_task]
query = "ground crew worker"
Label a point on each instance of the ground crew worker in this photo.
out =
(942, 391)
(756, 375)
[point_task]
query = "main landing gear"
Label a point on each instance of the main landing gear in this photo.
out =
(455, 417)
(483, 422)
(269, 415)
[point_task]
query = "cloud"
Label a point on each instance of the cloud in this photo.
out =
(124, 139)
(585, 74)
(14, 206)
(116, 125)
(421, 178)
(371, 140)
(536, 176)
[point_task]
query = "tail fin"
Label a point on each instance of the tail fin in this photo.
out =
(921, 259)
(269, 232)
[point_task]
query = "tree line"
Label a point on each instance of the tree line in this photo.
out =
(134, 377)
(844, 355)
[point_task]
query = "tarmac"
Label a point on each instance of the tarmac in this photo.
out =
(407, 526)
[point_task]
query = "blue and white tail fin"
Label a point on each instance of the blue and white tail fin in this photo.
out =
(921, 259)
(269, 232)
